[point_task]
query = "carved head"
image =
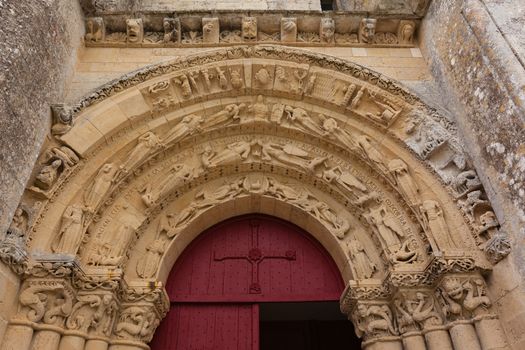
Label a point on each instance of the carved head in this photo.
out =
(453, 288)
(406, 32)
(249, 28)
(327, 29)
(367, 30)
(134, 30)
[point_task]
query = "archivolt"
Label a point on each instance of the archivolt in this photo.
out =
(151, 160)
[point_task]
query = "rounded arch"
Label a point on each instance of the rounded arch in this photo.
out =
(142, 165)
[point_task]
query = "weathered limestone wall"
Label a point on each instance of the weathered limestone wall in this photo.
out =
(97, 66)
(475, 56)
(38, 43)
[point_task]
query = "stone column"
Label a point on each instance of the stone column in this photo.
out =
(96, 344)
(464, 336)
(437, 338)
(72, 342)
(385, 344)
(413, 341)
(17, 337)
(490, 333)
(46, 340)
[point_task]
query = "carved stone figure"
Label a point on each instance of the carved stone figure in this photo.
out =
(249, 28)
(407, 253)
(498, 247)
(288, 29)
(290, 155)
(233, 153)
(19, 224)
(111, 251)
(388, 229)
(405, 34)
(147, 265)
(334, 132)
(166, 226)
(435, 222)
(236, 78)
(49, 303)
(71, 230)
(371, 153)
(177, 175)
(184, 83)
(229, 114)
(48, 175)
(189, 125)
(263, 77)
(100, 186)
(300, 116)
(367, 30)
(134, 30)
(339, 226)
(386, 114)
(327, 30)
(357, 99)
(62, 119)
(95, 29)
(210, 30)
(465, 182)
(137, 322)
(172, 32)
(259, 109)
(373, 321)
(93, 312)
(362, 264)
(460, 296)
(344, 179)
(472, 202)
(404, 181)
(418, 309)
(148, 143)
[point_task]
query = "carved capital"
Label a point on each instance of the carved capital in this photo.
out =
(93, 313)
(357, 291)
(374, 320)
(498, 247)
(417, 310)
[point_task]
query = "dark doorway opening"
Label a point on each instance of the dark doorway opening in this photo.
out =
(305, 326)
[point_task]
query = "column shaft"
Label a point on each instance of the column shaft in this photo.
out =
(464, 337)
(17, 337)
(383, 345)
(438, 340)
(72, 342)
(491, 335)
(45, 340)
(413, 342)
(95, 344)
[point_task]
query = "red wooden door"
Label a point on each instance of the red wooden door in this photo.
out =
(218, 279)
(192, 326)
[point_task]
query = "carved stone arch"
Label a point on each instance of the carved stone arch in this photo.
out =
(379, 178)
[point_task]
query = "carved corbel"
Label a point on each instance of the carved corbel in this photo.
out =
(172, 30)
(62, 119)
(210, 30)
(367, 30)
(288, 29)
(327, 30)
(95, 29)
(249, 28)
(406, 32)
(134, 30)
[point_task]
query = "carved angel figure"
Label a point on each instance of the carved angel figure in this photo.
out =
(147, 144)
(189, 125)
(100, 186)
(362, 264)
(344, 179)
(111, 252)
(290, 154)
(177, 175)
(71, 230)
(229, 114)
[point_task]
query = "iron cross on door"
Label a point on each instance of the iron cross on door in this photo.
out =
(255, 256)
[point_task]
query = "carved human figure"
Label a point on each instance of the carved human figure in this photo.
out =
(249, 28)
(371, 153)
(147, 144)
(339, 225)
(361, 262)
(374, 320)
(147, 265)
(357, 98)
(184, 83)
(282, 191)
(386, 115)
(456, 301)
(166, 226)
(388, 229)
(435, 222)
(406, 32)
(229, 114)
(18, 227)
(404, 181)
(290, 155)
(134, 30)
(48, 175)
(177, 175)
(111, 251)
(327, 30)
(62, 119)
(71, 230)
(472, 202)
(344, 179)
(301, 117)
(259, 109)
(367, 30)
(334, 132)
(424, 312)
(189, 125)
(348, 93)
(100, 186)
(231, 154)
